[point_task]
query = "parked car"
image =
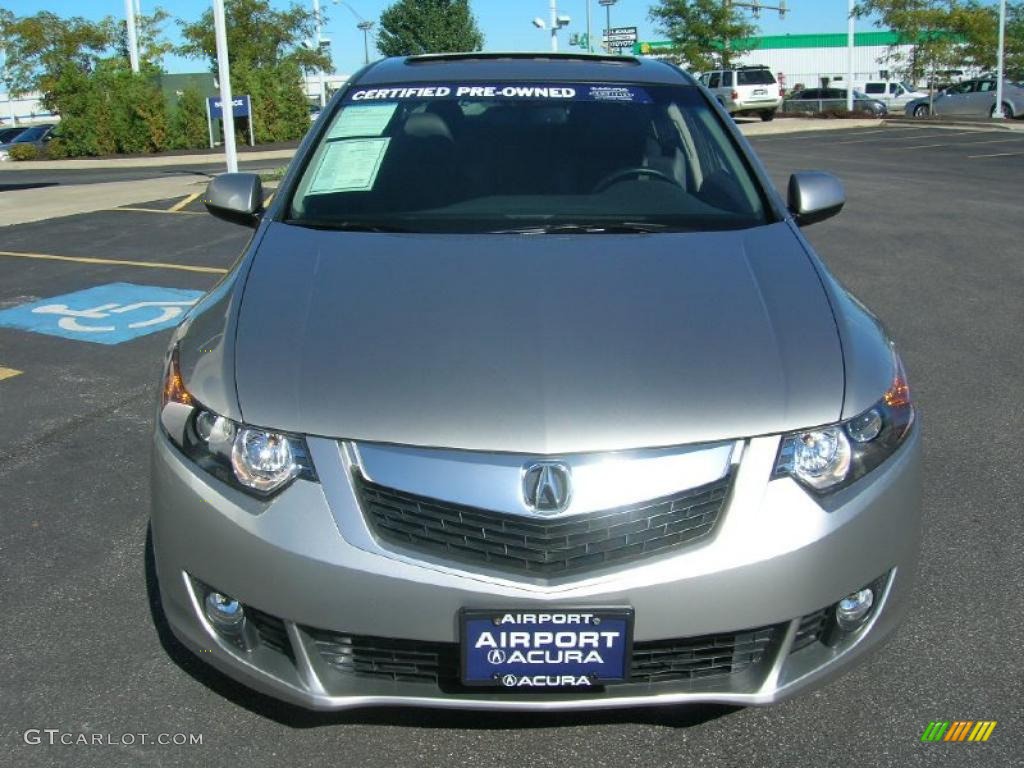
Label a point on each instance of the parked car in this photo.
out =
(821, 99)
(8, 134)
(971, 98)
(37, 135)
(894, 94)
(745, 90)
(528, 383)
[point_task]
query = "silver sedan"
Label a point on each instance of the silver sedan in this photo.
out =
(971, 98)
(529, 393)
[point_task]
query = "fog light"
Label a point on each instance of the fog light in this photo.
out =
(853, 610)
(225, 613)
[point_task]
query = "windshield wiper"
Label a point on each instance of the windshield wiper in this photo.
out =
(344, 226)
(618, 228)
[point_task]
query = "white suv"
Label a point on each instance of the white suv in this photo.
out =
(745, 90)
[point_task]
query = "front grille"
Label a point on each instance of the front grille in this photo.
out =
(271, 631)
(390, 658)
(656, 661)
(534, 545)
(810, 630)
(699, 657)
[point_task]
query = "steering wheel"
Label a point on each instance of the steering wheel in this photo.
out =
(616, 176)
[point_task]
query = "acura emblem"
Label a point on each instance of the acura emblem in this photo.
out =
(547, 486)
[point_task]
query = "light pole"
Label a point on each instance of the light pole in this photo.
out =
(133, 41)
(557, 22)
(590, 40)
(554, 25)
(227, 107)
(998, 111)
(849, 58)
(607, 23)
(365, 26)
(316, 47)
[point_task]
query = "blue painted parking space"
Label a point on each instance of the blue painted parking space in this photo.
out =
(107, 314)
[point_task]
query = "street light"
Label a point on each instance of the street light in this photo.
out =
(224, 75)
(365, 26)
(557, 22)
(133, 41)
(607, 22)
(998, 111)
(316, 47)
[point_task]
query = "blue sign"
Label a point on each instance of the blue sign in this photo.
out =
(241, 106)
(107, 314)
(545, 649)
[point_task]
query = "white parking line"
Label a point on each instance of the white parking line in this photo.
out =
(921, 146)
(944, 134)
(997, 154)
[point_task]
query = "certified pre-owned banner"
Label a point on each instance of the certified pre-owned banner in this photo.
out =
(532, 91)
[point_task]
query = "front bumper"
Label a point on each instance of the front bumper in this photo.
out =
(777, 557)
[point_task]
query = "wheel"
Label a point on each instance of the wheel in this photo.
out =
(768, 115)
(921, 110)
(1007, 111)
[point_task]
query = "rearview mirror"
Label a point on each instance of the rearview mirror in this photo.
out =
(235, 197)
(815, 196)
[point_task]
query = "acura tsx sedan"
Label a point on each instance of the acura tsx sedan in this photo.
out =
(529, 393)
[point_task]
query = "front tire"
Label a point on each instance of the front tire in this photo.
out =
(768, 115)
(921, 110)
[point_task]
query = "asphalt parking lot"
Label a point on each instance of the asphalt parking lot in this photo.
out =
(931, 239)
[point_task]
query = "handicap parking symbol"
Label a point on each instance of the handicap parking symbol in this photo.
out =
(106, 314)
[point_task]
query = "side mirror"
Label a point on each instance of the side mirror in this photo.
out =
(815, 196)
(235, 197)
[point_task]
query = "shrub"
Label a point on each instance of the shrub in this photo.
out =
(188, 123)
(23, 152)
(56, 149)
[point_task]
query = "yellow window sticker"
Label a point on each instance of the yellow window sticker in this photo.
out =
(362, 120)
(349, 165)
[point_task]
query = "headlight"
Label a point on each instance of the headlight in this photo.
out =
(258, 461)
(828, 458)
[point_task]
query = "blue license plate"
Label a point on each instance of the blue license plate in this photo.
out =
(536, 650)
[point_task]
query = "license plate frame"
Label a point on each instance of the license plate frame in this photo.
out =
(479, 667)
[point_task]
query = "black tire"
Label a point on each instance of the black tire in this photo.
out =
(921, 110)
(768, 115)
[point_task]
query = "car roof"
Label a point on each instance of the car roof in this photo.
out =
(544, 67)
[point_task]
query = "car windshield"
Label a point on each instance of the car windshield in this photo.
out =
(30, 134)
(755, 77)
(501, 157)
(9, 134)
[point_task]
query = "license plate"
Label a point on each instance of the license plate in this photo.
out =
(533, 650)
(760, 92)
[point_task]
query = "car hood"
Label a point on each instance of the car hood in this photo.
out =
(536, 343)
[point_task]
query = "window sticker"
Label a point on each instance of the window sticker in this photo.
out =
(349, 165)
(362, 120)
(499, 91)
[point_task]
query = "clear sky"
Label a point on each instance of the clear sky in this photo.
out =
(505, 23)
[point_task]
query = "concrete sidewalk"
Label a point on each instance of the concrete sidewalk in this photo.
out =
(21, 206)
(144, 161)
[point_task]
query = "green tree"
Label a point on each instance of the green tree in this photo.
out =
(942, 34)
(411, 27)
(267, 54)
(42, 49)
(258, 37)
(706, 33)
(152, 43)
